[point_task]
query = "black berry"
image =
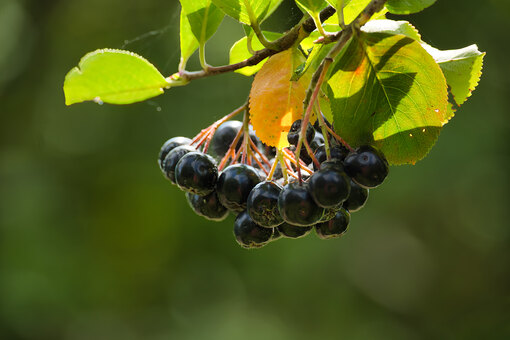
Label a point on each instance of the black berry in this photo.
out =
(329, 186)
(292, 231)
(172, 158)
(248, 234)
(334, 227)
(234, 185)
(196, 173)
(169, 145)
(207, 206)
(337, 152)
(295, 130)
(367, 166)
(357, 198)
(224, 136)
(262, 204)
(297, 206)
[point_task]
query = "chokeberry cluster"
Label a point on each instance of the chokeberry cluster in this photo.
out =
(273, 193)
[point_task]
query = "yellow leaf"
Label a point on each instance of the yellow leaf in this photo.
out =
(276, 101)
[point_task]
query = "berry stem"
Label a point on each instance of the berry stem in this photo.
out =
(312, 156)
(258, 152)
(212, 129)
(340, 139)
(246, 137)
(289, 154)
(273, 169)
(231, 151)
(293, 161)
(281, 160)
(316, 85)
(322, 124)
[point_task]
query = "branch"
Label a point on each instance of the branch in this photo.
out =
(300, 31)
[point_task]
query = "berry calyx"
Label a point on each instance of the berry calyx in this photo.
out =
(262, 204)
(169, 145)
(196, 173)
(357, 198)
(235, 184)
(297, 206)
(335, 227)
(248, 233)
(207, 206)
(367, 166)
(172, 158)
(329, 186)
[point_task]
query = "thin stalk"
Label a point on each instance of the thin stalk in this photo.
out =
(281, 160)
(201, 54)
(272, 170)
(322, 124)
(312, 156)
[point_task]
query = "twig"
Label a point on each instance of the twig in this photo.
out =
(300, 31)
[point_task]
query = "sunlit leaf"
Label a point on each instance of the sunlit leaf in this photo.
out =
(246, 10)
(392, 27)
(352, 8)
(113, 76)
(312, 6)
(408, 6)
(386, 90)
(204, 18)
(276, 101)
(239, 52)
(189, 44)
(462, 69)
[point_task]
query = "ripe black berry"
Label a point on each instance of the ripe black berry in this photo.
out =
(367, 166)
(169, 145)
(334, 227)
(295, 130)
(292, 231)
(248, 234)
(224, 136)
(297, 206)
(196, 173)
(234, 185)
(357, 198)
(336, 151)
(262, 204)
(207, 206)
(329, 186)
(172, 158)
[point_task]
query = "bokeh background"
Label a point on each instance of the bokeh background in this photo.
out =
(96, 244)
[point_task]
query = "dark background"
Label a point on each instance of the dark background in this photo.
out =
(95, 243)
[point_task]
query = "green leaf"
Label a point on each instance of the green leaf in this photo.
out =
(239, 52)
(313, 7)
(392, 27)
(408, 6)
(113, 76)
(462, 69)
(204, 18)
(247, 10)
(352, 8)
(189, 44)
(386, 90)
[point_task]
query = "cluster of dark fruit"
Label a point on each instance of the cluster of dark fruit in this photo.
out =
(270, 209)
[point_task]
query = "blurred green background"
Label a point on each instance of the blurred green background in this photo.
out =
(96, 244)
